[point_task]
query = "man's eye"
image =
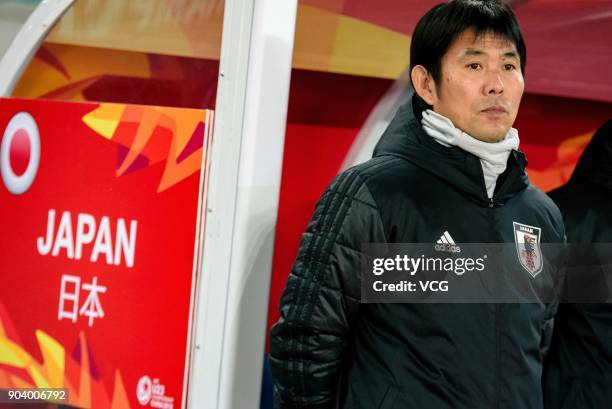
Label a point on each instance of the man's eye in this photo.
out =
(474, 66)
(510, 67)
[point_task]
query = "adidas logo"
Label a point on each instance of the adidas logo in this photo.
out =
(446, 243)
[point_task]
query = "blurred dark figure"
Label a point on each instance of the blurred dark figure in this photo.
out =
(578, 369)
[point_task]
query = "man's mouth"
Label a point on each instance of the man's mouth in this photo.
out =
(495, 112)
(495, 109)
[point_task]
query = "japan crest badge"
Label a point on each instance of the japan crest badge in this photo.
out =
(527, 239)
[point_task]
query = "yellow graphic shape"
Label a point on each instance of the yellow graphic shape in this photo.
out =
(84, 66)
(47, 375)
(315, 33)
(11, 354)
(365, 49)
(53, 357)
(51, 373)
(330, 42)
(105, 119)
(39, 378)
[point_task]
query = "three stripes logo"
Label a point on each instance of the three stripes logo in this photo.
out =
(446, 243)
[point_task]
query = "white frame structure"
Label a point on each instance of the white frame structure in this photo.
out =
(244, 184)
(27, 41)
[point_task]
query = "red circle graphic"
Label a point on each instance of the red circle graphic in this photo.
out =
(19, 152)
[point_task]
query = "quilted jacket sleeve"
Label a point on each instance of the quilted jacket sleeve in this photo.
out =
(320, 302)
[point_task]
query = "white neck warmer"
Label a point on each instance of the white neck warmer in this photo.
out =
(493, 155)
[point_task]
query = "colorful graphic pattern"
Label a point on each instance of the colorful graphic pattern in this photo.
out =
(76, 371)
(372, 38)
(60, 72)
(149, 135)
(356, 37)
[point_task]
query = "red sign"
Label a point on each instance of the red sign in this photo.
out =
(99, 210)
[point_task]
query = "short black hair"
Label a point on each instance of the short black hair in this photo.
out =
(440, 26)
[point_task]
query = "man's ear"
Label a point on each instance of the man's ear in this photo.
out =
(423, 84)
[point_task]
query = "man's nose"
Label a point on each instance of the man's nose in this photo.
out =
(494, 84)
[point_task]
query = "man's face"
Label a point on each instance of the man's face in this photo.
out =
(481, 85)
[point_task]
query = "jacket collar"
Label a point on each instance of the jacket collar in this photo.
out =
(405, 138)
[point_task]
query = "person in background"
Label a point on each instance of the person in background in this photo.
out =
(578, 370)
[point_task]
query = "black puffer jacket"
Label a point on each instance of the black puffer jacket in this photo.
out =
(410, 355)
(578, 371)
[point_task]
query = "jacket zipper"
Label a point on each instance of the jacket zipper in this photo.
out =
(492, 204)
(496, 316)
(497, 319)
(504, 187)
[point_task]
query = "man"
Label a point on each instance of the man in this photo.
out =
(448, 162)
(578, 371)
